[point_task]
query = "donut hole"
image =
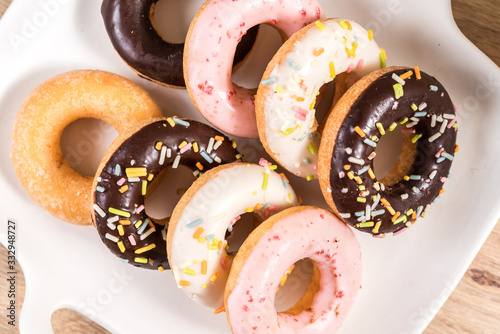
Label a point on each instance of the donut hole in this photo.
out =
(164, 193)
(395, 155)
(171, 19)
(297, 287)
(240, 231)
(84, 143)
(324, 102)
(249, 73)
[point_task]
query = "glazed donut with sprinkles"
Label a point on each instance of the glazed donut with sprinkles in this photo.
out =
(375, 105)
(128, 173)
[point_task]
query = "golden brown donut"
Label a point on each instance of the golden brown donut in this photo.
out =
(36, 152)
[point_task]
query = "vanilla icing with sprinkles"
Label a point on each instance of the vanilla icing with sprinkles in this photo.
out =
(418, 103)
(122, 184)
(289, 89)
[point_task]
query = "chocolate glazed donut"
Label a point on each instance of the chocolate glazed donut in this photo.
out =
(131, 166)
(130, 26)
(377, 104)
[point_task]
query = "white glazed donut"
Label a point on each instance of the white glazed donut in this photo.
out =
(286, 98)
(196, 243)
(275, 245)
(209, 50)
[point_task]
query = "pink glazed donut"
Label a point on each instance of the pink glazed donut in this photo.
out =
(275, 245)
(209, 51)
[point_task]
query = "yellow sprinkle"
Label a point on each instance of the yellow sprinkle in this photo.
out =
(141, 260)
(160, 268)
(384, 54)
(406, 178)
(201, 240)
(371, 173)
(300, 99)
(150, 177)
(343, 25)
(214, 277)
(184, 283)
(120, 229)
(138, 224)
(181, 145)
(380, 128)
(350, 175)
(123, 189)
(288, 131)
(204, 267)
(349, 26)
(171, 121)
(409, 212)
(361, 199)
(309, 178)
(124, 222)
(145, 249)
(195, 147)
(360, 132)
(144, 187)
(358, 180)
(333, 74)
(320, 25)
(189, 271)
(377, 227)
(318, 52)
(204, 286)
(391, 210)
(249, 209)
(393, 126)
(136, 171)
(121, 246)
(279, 89)
(347, 167)
(313, 104)
(158, 145)
(370, 35)
(198, 232)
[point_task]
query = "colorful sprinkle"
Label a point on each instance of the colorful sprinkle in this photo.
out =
(398, 91)
(268, 81)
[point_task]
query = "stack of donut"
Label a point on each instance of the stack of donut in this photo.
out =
(370, 101)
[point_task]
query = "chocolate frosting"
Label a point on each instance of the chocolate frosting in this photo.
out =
(425, 179)
(138, 43)
(116, 190)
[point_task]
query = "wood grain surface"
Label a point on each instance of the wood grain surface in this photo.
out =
(474, 306)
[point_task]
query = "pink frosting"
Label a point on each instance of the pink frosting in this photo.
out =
(313, 233)
(210, 49)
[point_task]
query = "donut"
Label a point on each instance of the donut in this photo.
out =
(275, 245)
(129, 172)
(287, 95)
(131, 28)
(36, 151)
(217, 27)
(196, 243)
(377, 104)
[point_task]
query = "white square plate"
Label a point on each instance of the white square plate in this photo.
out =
(406, 278)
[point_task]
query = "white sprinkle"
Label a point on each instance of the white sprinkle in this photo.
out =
(100, 211)
(218, 143)
(377, 200)
(344, 190)
(133, 179)
(348, 150)
(412, 124)
(443, 126)
(164, 234)
(217, 159)
(132, 162)
(329, 190)
(210, 145)
(111, 226)
(163, 152)
(448, 116)
(147, 234)
(196, 173)
(432, 175)
(345, 215)
(367, 212)
(169, 152)
(434, 137)
(372, 155)
(433, 121)
(111, 237)
(113, 219)
(404, 196)
(440, 118)
(176, 161)
(422, 106)
(398, 79)
(395, 105)
(356, 160)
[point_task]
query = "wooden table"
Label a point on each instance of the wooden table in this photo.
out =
(474, 305)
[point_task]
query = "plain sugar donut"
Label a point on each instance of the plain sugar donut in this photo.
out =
(287, 95)
(131, 28)
(36, 150)
(211, 206)
(218, 27)
(273, 247)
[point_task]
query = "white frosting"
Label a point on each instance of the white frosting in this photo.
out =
(293, 84)
(224, 196)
